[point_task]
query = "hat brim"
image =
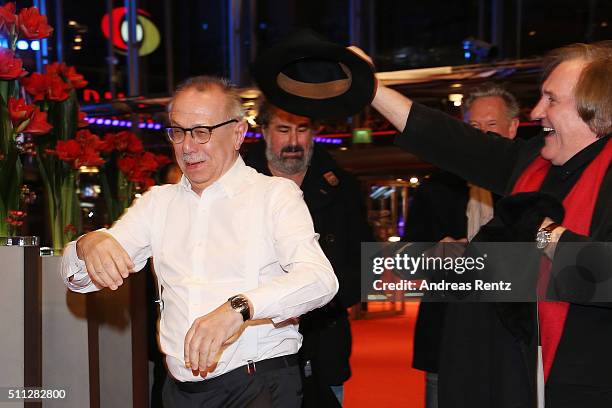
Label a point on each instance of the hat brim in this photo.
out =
(360, 93)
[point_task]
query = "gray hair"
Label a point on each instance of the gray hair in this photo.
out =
(491, 89)
(204, 83)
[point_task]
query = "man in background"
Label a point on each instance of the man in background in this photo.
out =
(447, 208)
(336, 205)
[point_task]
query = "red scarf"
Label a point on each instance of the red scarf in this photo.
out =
(579, 205)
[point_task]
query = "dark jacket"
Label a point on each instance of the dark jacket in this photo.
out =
(437, 210)
(488, 351)
(339, 215)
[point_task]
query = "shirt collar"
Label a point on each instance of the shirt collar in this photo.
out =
(583, 157)
(229, 183)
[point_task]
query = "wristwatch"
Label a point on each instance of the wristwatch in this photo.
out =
(544, 235)
(241, 305)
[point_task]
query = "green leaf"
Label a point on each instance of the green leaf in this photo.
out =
(6, 127)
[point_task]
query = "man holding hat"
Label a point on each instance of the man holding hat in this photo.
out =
(559, 189)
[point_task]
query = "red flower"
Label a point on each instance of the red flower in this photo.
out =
(68, 73)
(57, 89)
(32, 25)
(46, 86)
(148, 162)
(81, 122)
(124, 141)
(38, 124)
(36, 85)
(19, 110)
(27, 118)
(89, 140)
(10, 67)
(7, 17)
(126, 164)
(69, 228)
(83, 150)
(162, 159)
(67, 150)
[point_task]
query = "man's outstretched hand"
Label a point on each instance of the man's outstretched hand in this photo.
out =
(106, 261)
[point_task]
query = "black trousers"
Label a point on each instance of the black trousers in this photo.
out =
(278, 388)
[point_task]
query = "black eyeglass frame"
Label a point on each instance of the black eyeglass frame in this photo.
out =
(190, 130)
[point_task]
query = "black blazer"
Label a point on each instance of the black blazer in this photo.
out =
(489, 351)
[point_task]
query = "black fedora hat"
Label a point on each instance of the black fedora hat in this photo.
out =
(309, 76)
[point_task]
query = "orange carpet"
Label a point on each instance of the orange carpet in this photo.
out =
(381, 363)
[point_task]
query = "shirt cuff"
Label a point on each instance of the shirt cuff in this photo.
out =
(74, 267)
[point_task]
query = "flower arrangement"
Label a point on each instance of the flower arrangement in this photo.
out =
(40, 117)
(129, 169)
(19, 121)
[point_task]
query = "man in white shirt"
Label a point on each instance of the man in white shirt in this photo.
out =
(235, 254)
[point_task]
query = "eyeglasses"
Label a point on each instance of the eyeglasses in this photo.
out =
(201, 134)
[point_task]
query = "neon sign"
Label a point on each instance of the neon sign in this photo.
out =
(147, 34)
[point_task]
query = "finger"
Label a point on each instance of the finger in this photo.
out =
(108, 263)
(102, 273)
(194, 352)
(128, 261)
(91, 270)
(120, 264)
(119, 253)
(203, 359)
(186, 347)
(214, 347)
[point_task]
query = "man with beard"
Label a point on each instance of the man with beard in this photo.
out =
(559, 189)
(334, 200)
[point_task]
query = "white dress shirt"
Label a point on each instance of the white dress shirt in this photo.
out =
(247, 233)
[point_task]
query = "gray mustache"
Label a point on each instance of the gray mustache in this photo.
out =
(292, 149)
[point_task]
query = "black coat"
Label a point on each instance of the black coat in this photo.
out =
(488, 351)
(437, 210)
(337, 208)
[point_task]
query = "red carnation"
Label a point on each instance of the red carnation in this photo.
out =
(10, 67)
(27, 118)
(32, 25)
(7, 17)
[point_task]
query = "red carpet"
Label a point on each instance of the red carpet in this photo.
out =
(381, 363)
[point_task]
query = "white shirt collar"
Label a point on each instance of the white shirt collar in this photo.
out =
(230, 182)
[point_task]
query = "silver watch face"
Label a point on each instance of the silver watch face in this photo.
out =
(542, 239)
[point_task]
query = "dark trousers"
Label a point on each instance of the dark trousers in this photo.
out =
(278, 388)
